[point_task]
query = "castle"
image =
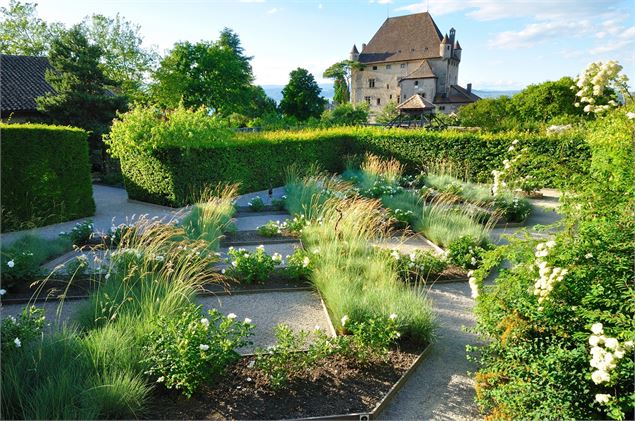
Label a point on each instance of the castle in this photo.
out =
(408, 58)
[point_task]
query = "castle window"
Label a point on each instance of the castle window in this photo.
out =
(423, 94)
(403, 65)
(378, 101)
(442, 107)
(416, 83)
(388, 66)
(371, 83)
(374, 67)
(412, 49)
(387, 86)
(390, 96)
(404, 96)
(367, 99)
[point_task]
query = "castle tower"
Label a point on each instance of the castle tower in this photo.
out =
(457, 50)
(354, 54)
(445, 48)
(452, 35)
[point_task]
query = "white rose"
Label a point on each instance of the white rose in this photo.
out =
(205, 321)
(203, 347)
(344, 320)
(231, 316)
(602, 398)
(247, 320)
(17, 342)
(11, 263)
(600, 376)
(594, 340)
(611, 343)
(597, 328)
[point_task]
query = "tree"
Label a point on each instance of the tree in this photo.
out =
(346, 115)
(22, 32)
(124, 60)
(545, 101)
(215, 75)
(82, 97)
(388, 113)
(341, 72)
(301, 97)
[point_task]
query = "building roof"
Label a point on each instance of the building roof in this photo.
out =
(457, 46)
(457, 95)
(354, 50)
(22, 81)
(410, 37)
(422, 72)
(415, 103)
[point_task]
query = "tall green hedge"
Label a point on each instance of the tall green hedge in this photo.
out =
(45, 175)
(169, 160)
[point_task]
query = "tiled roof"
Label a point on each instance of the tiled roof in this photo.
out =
(414, 103)
(422, 72)
(21, 81)
(457, 95)
(410, 37)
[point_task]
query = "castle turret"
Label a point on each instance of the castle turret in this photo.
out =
(457, 50)
(445, 48)
(354, 54)
(452, 35)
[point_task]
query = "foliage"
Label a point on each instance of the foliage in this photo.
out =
(558, 320)
(124, 59)
(420, 264)
(18, 332)
(22, 32)
(513, 209)
(80, 234)
(251, 267)
(369, 339)
(270, 229)
(467, 252)
(214, 75)
(256, 204)
(190, 349)
(346, 115)
(388, 113)
(45, 175)
(341, 73)
(545, 101)
(301, 263)
(211, 216)
(301, 96)
(598, 85)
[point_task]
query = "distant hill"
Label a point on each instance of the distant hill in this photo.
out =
(275, 92)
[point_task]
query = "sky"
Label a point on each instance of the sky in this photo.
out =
(507, 44)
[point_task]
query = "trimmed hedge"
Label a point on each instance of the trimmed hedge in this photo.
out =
(170, 175)
(45, 175)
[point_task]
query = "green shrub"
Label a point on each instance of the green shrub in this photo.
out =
(251, 267)
(18, 332)
(467, 252)
(270, 229)
(187, 350)
(369, 339)
(256, 204)
(301, 263)
(512, 209)
(421, 264)
(80, 234)
(45, 175)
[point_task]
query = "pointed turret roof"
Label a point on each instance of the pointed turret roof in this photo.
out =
(410, 37)
(445, 40)
(457, 46)
(354, 50)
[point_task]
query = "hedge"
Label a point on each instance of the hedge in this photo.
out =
(45, 175)
(169, 174)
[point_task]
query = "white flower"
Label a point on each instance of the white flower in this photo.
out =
(247, 320)
(588, 255)
(231, 316)
(205, 321)
(630, 115)
(261, 247)
(594, 340)
(473, 261)
(395, 254)
(611, 343)
(550, 244)
(392, 316)
(2, 292)
(413, 256)
(344, 320)
(203, 347)
(161, 379)
(602, 397)
(628, 344)
(17, 342)
(11, 263)
(317, 328)
(600, 376)
(276, 257)
(473, 287)
(597, 328)
(306, 261)
(223, 271)
(515, 142)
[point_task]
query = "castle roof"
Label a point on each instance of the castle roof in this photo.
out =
(422, 72)
(22, 80)
(354, 50)
(456, 95)
(410, 37)
(457, 46)
(415, 103)
(445, 39)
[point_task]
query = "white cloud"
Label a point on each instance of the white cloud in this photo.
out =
(320, 6)
(273, 11)
(251, 1)
(380, 1)
(536, 33)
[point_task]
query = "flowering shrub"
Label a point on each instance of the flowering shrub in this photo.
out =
(118, 232)
(278, 204)
(597, 86)
(185, 351)
(466, 252)
(301, 263)
(256, 204)
(271, 229)
(17, 266)
(369, 339)
(401, 217)
(251, 267)
(420, 263)
(296, 225)
(512, 208)
(18, 332)
(381, 188)
(80, 234)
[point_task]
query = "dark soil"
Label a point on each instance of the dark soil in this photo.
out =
(241, 238)
(336, 387)
(50, 289)
(277, 280)
(268, 209)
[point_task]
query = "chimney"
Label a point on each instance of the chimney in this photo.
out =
(363, 47)
(469, 88)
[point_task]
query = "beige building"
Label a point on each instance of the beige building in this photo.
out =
(409, 56)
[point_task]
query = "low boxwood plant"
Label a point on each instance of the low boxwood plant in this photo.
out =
(80, 234)
(190, 349)
(256, 204)
(18, 332)
(512, 209)
(251, 267)
(301, 263)
(270, 229)
(422, 264)
(467, 252)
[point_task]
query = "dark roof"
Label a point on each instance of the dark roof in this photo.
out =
(21, 81)
(415, 103)
(410, 37)
(457, 46)
(422, 72)
(457, 95)
(354, 50)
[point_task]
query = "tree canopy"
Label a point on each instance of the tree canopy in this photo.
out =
(22, 32)
(301, 96)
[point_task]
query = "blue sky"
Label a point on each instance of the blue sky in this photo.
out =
(507, 44)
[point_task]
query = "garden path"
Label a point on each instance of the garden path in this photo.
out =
(441, 388)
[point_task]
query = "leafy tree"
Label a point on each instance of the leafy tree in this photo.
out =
(82, 97)
(341, 72)
(22, 32)
(124, 60)
(486, 113)
(301, 97)
(388, 113)
(545, 101)
(346, 115)
(215, 75)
